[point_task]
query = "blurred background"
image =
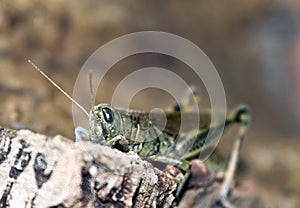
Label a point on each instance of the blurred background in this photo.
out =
(254, 45)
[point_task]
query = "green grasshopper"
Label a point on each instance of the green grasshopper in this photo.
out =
(129, 130)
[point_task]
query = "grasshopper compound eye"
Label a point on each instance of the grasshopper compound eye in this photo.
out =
(108, 115)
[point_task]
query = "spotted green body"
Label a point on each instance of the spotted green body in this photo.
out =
(134, 130)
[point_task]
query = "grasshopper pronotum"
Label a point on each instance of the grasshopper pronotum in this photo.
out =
(129, 130)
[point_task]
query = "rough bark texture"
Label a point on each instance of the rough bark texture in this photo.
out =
(40, 171)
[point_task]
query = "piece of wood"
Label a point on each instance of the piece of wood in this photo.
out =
(41, 171)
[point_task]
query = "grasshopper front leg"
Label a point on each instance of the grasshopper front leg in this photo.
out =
(81, 134)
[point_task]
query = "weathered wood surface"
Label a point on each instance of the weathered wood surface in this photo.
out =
(40, 171)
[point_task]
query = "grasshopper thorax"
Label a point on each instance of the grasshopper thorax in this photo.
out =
(105, 123)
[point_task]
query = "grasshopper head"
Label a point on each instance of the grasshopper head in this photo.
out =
(105, 123)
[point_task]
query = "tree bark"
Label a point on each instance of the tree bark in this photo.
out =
(41, 171)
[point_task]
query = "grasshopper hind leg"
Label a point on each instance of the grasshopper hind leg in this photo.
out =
(241, 116)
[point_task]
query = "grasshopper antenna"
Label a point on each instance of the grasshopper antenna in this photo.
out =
(58, 87)
(92, 97)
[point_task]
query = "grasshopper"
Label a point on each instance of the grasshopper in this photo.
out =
(130, 130)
